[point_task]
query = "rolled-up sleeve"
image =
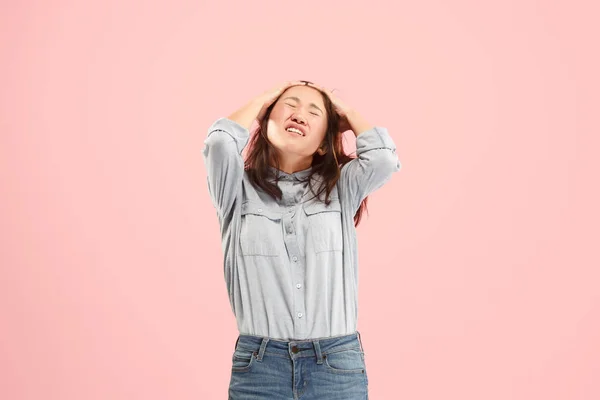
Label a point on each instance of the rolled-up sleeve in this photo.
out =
(224, 163)
(375, 164)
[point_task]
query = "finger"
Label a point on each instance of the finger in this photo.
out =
(326, 90)
(294, 83)
(290, 84)
(285, 85)
(322, 89)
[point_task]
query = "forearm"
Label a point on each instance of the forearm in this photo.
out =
(357, 123)
(246, 115)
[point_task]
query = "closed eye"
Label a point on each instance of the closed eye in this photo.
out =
(291, 105)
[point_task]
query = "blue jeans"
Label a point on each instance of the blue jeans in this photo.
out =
(330, 368)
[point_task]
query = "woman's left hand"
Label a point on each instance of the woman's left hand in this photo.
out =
(340, 107)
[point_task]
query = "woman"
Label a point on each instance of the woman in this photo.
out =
(287, 216)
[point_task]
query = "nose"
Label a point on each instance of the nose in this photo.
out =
(298, 119)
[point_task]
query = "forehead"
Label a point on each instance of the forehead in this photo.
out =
(306, 95)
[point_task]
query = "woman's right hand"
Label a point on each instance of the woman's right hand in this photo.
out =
(269, 97)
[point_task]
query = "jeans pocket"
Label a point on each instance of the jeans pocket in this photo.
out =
(243, 360)
(349, 361)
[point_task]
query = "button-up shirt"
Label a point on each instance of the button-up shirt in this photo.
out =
(291, 264)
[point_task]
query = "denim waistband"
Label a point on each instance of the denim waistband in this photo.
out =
(295, 348)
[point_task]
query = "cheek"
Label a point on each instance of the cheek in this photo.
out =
(316, 141)
(322, 129)
(276, 119)
(278, 113)
(273, 130)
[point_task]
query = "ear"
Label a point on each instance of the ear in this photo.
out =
(322, 150)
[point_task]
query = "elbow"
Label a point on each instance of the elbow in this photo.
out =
(382, 161)
(219, 144)
(389, 162)
(224, 142)
(382, 164)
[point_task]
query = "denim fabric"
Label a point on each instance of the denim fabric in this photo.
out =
(326, 369)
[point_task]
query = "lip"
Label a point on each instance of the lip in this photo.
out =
(294, 125)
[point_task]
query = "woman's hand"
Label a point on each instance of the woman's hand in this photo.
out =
(256, 109)
(269, 97)
(349, 118)
(340, 107)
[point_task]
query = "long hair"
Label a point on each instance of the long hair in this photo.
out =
(261, 152)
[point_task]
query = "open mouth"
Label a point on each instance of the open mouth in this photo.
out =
(294, 131)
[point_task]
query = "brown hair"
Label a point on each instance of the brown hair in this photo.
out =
(329, 165)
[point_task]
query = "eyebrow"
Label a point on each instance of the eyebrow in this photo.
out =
(298, 100)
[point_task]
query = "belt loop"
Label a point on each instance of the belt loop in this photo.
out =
(318, 351)
(360, 341)
(261, 351)
(236, 342)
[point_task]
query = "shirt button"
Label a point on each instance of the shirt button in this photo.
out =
(260, 210)
(295, 258)
(298, 285)
(299, 315)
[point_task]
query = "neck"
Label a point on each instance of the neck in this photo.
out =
(290, 166)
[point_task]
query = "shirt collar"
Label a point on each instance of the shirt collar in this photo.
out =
(284, 176)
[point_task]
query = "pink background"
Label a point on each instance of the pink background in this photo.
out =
(479, 262)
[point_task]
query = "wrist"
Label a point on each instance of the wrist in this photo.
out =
(349, 113)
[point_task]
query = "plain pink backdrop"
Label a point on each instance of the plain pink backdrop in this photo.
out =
(479, 268)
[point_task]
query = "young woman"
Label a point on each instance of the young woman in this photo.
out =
(287, 216)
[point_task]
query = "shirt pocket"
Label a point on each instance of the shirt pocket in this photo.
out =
(261, 230)
(325, 225)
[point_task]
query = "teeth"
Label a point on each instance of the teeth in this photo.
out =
(294, 130)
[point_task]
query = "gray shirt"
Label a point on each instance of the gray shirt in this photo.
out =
(291, 265)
